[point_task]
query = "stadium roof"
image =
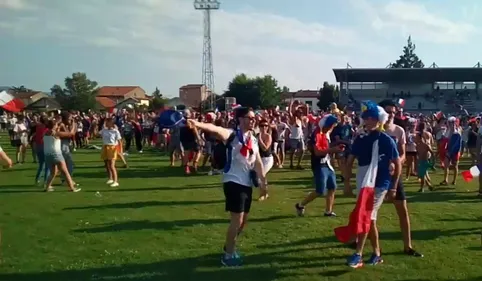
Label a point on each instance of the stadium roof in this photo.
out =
(413, 75)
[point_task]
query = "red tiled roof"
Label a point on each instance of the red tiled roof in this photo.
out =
(105, 102)
(24, 95)
(190, 86)
(115, 91)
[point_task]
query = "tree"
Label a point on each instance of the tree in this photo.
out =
(79, 93)
(158, 100)
(21, 89)
(408, 59)
(328, 94)
(258, 92)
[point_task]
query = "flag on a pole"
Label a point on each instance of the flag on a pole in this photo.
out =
(9, 103)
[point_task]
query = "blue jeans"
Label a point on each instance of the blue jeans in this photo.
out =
(41, 163)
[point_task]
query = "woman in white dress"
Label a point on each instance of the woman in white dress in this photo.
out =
(265, 142)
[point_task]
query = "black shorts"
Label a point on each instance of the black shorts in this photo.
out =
(411, 153)
(238, 197)
(400, 195)
(190, 146)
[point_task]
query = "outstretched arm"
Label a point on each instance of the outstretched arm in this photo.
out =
(221, 133)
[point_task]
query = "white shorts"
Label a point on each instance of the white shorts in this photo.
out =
(377, 202)
(267, 164)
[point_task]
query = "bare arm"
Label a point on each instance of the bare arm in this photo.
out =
(221, 133)
(265, 144)
(396, 172)
(401, 152)
(259, 169)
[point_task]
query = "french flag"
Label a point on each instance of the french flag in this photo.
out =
(472, 173)
(361, 216)
(9, 103)
(439, 115)
(401, 102)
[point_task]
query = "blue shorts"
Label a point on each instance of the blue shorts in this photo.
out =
(325, 179)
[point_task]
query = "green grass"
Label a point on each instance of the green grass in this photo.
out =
(162, 225)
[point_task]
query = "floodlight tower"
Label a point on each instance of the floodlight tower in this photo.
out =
(207, 65)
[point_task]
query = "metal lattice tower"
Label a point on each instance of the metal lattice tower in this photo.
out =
(207, 65)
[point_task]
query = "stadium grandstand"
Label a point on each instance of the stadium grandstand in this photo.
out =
(423, 90)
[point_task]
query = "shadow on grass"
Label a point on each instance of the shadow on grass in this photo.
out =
(207, 267)
(165, 188)
(133, 172)
(137, 205)
(166, 225)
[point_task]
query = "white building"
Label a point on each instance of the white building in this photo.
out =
(309, 97)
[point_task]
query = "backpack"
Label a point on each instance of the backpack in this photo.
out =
(220, 153)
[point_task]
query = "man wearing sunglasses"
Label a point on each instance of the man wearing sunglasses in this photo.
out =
(243, 160)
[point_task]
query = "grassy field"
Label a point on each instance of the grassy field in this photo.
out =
(162, 225)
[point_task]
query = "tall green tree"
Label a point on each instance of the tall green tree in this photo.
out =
(408, 58)
(258, 92)
(327, 95)
(158, 101)
(78, 94)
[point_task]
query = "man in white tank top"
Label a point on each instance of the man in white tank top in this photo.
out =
(242, 159)
(297, 142)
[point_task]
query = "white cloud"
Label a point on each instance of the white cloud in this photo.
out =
(416, 19)
(167, 35)
(15, 5)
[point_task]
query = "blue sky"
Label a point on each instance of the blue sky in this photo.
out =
(158, 42)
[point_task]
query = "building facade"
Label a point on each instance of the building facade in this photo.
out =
(192, 95)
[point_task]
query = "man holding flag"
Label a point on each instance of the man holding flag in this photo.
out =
(376, 152)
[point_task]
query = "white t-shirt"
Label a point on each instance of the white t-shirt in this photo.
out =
(3, 119)
(20, 131)
(110, 136)
(282, 128)
(240, 166)
(13, 121)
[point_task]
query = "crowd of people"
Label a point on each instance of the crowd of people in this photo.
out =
(244, 145)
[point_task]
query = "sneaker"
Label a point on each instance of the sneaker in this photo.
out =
(231, 261)
(110, 182)
(374, 259)
(355, 261)
(210, 173)
(76, 189)
(330, 214)
(140, 151)
(49, 189)
(114, 184)
(300, 210)
(413, 253)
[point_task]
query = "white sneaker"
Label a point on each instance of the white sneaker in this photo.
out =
(76, 189)
(109, 182)
(49, 189)
(140, 151)
(115, 184)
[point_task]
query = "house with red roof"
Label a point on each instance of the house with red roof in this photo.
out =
(110, 96)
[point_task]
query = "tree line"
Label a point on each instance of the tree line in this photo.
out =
(261, 92)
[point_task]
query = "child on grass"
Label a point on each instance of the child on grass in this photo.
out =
(423, 153)
(110, 140)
